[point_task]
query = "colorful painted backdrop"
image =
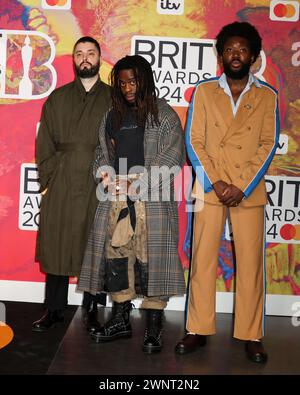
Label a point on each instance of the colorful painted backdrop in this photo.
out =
(176, 36)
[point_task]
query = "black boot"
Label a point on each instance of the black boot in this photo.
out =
(152, 338)
(49, 320)
(90, 320)
(118, 326)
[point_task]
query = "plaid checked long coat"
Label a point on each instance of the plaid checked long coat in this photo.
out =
(163, 146)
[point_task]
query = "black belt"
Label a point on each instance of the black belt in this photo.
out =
(78, 147)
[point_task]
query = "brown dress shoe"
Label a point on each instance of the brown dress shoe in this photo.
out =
(190, 343)
(255, 351)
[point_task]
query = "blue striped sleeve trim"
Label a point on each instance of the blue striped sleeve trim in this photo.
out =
(263, 169)
(201, 174)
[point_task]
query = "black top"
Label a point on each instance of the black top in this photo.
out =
(128, 142)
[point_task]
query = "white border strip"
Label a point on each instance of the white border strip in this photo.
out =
(27, 291)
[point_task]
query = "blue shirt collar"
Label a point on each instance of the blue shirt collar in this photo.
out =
(252, 80)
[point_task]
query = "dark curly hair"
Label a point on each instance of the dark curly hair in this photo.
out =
(145, 96)
(240, 29)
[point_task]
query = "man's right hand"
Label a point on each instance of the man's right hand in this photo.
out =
(219, 188)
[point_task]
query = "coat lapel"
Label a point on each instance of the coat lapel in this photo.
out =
(223, 108)
(151, 141)
(146, 146)
(245, 110)
(105, 143)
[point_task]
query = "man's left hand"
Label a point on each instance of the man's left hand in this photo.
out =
(232, 196)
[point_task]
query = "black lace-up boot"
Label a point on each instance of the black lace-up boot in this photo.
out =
(118, 326)
(153, 333)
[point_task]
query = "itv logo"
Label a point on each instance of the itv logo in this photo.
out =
(284, 11)
(170, 7)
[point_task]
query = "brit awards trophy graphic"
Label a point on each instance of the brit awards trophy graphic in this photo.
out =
(24, 72)
(25, 88)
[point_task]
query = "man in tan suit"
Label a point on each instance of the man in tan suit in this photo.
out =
(232, 134)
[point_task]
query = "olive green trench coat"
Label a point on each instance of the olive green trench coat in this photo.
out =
(66, 142)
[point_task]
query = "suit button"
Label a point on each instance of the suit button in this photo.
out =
(249, 128)
(216, 124)
(237, 166)
(222, 145)
(239, 147)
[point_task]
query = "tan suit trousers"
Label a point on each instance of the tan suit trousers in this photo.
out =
(248, 233)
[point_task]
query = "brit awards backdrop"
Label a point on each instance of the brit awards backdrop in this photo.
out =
(177, 38)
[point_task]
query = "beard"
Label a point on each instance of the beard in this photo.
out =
(237, 74)
(87, 72)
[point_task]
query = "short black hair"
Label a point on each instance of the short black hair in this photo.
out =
(239, 29)
(88, 39)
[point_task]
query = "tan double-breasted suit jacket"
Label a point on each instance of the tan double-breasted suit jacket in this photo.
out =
(237, 149)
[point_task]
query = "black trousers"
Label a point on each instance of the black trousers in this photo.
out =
(56, 297)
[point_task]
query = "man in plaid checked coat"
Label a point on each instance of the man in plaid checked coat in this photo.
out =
(133, 244)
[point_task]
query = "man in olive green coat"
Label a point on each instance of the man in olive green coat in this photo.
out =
(66, 141)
